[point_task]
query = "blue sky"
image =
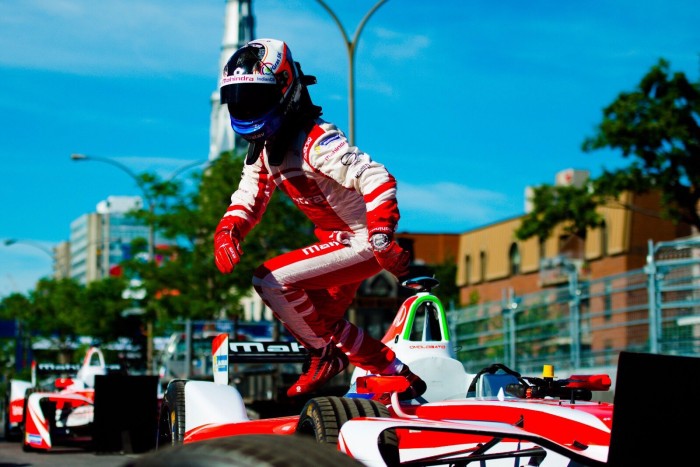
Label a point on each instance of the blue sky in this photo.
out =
(466, 102)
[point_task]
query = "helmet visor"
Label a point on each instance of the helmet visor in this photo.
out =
(250, 101)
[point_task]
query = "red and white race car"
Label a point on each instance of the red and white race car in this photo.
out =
(43, 416)
(494, 417)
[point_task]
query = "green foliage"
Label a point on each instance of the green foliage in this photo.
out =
(15, 306)
(448, 291)
(534, 329)
(57, 309)
(572, 207)
(474, 298)
(102, 310)
(659, 125)
(184, 282)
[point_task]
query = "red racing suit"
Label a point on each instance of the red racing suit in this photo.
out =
(348, 197)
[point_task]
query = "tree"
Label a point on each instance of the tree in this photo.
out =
(15, 306)
(182, 282)
(658, 124)
(56, 311)
(103, 310)
(572, 207)
(446, 273)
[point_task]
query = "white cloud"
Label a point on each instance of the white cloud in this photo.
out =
(429, 207)
(110, 36)
(398, 46)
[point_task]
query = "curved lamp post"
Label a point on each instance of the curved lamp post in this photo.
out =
(13, 241)
(147, 197)
(52, 254)
(180, 170)
(351, 47)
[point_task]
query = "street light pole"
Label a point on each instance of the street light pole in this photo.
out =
(185, 168)
(39, 246)
(351, 47)
(147, 197)
(13, 241)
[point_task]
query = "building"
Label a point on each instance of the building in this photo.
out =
(239, 26)
(61, 264)
(100, 240)
(430, 248)
(492, 262)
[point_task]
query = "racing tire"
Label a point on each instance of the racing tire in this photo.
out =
(322, 418)
(171, 419)
(257, 450)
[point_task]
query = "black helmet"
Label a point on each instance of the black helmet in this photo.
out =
(261, 84)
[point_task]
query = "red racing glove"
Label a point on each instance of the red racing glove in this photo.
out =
(227, 251)
(390, 255)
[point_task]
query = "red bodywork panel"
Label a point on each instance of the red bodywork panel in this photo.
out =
(277, 426)
(590, 426)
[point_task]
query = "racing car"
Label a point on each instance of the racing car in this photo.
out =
(494, 417)
(63, 413)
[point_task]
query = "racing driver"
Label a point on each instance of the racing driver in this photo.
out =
(350, 198)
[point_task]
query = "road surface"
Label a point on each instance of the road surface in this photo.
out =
(12, 455)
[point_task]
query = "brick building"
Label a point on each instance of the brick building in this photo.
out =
(491, 260)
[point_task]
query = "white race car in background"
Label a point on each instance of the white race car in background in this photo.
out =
(42, 416)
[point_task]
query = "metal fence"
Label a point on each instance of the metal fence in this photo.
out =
(585, 324)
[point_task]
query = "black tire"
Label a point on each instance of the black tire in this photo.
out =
(322, 418)
(171, 419)
(262, 450)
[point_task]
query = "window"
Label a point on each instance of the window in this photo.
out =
(514, 259)
(482, 266)
(468, 270)
(607, 301)
(608, 352)
(380, 286)
(604, 239)
(542, 243)
(572, 246)
(426, 325)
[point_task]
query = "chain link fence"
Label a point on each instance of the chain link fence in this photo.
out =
(584, 325)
